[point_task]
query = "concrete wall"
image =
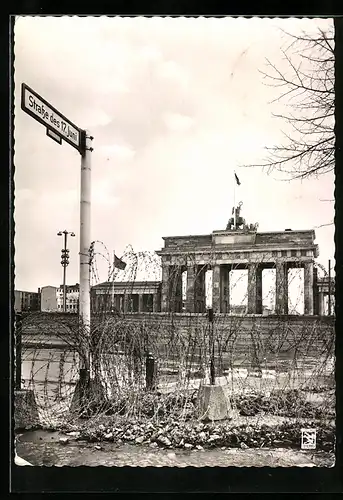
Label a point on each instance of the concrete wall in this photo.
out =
(238, 339)
(309, 335)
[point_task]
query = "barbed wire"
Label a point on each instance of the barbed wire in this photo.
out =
(252, 353)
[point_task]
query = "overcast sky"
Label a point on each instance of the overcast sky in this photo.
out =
(174, 105)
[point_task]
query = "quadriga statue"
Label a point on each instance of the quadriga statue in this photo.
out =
(240, 222)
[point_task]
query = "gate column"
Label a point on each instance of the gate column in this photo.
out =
(200, 289)
(165, 288)
(281, 289)
(216, 288)
(225, 288)
(308, 288)
(255, 289)
(190, 294)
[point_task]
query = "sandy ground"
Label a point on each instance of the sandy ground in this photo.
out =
(42, 448)
(53, 391)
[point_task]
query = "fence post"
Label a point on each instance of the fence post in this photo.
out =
(18, 349)
(84, 379)
(212, 368)
(150, 372)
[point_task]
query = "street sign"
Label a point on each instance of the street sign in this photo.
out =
(37, 107)
(54, 136)
(58, 127)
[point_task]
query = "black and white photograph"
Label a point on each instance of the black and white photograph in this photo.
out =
(174, 254)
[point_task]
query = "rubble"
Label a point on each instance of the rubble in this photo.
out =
(171, 431)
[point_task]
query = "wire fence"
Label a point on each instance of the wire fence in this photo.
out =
(150, 364)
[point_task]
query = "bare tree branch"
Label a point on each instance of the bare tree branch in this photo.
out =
(324, 225)
(308, 89)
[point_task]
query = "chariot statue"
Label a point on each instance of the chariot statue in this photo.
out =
(240, 221)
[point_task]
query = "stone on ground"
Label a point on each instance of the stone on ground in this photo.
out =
(25, 409)
(213, 403)
(89, 396)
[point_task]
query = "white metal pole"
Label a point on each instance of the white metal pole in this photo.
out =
(85, 243)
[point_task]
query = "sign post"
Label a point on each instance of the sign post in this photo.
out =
(59, 128)
(85, 245)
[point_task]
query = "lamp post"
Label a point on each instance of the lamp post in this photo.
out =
(65, 262)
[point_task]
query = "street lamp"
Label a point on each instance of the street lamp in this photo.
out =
(65, 262)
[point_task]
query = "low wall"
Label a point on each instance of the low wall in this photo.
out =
(241, 336)
(167, 336)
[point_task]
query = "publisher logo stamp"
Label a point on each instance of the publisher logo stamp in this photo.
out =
(308, 439)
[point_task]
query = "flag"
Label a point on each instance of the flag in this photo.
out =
(237, 180)
(118, 263)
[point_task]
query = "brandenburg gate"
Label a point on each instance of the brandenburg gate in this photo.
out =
(239, 246)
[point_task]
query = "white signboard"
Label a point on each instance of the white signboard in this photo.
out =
(47, 115)
(55, 137)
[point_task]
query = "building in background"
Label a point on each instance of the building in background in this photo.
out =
(26, 301)
(189, 262)
(72, 299)
(141, 296)
(325, 288)
(126, 296)
(49, 299)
